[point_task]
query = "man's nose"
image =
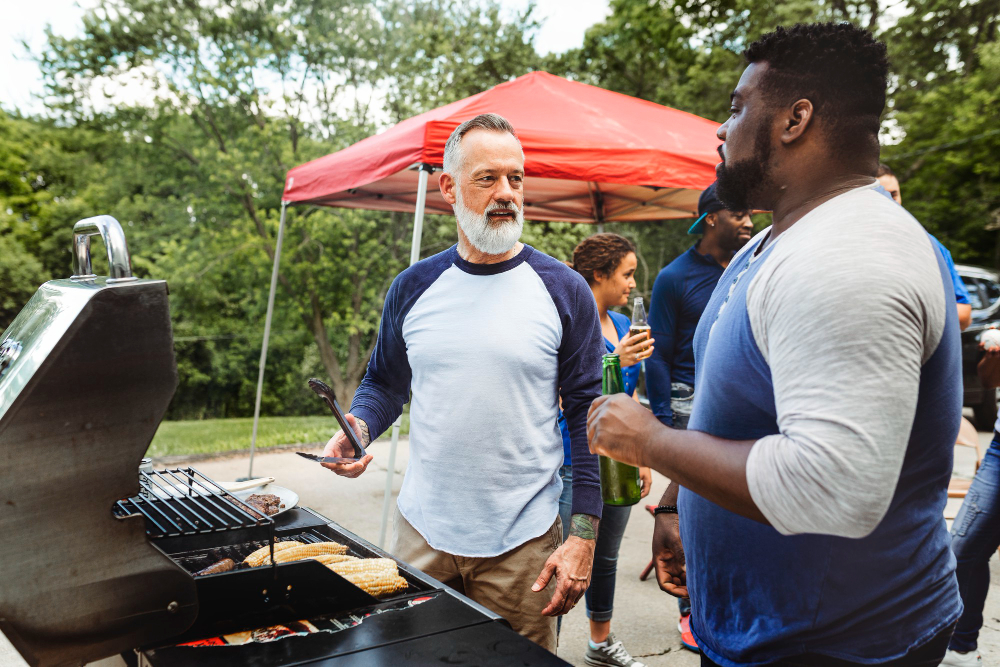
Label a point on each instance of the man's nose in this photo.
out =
(504, 191)
(723, 130)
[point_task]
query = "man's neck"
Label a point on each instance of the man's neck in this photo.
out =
(471, 254)
(795, 202)
(710, 246)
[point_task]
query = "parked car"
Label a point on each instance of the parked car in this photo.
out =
(984, 295)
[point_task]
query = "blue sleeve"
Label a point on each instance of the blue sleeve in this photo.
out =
(385, 388)
(663, 314)
(961, 293)
(580, 353)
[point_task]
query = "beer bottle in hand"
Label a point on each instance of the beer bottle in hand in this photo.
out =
(620, 483)
(639, 323)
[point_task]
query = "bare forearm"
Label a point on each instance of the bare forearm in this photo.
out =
(714, 468)
(669, 496)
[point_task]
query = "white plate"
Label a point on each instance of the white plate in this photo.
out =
(289, 498)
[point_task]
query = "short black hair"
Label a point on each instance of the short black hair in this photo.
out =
(884, 170)
(841, 68)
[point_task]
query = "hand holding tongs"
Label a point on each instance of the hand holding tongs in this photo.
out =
(327, 395)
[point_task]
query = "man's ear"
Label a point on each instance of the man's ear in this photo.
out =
(797, 121)
(447, 186)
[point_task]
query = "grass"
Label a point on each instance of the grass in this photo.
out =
(218, 436)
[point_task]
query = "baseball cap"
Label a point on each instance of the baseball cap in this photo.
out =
(707, 203)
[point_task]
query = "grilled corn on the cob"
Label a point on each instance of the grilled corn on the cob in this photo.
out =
(307, 550)
(329, 559)
(257, 558)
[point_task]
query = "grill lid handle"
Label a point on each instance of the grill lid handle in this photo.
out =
(119, 264)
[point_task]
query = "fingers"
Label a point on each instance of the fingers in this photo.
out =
(350, 469)
(676, 591)
(668, 581)
(543, 579)
(566, 596)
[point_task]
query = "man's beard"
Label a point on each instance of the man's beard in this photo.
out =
(739, 185)
(485, 236)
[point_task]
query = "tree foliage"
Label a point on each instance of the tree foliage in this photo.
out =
(222, 98)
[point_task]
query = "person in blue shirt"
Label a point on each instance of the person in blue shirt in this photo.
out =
(680, 293)
(608, 263)
(890, 184)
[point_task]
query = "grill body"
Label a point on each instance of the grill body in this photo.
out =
(441, 626)
(78, 408)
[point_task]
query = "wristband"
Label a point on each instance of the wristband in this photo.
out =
(665, 509)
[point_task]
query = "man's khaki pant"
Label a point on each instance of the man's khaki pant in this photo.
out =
(502, 583)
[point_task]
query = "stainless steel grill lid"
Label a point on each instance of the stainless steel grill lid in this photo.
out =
(86, 373)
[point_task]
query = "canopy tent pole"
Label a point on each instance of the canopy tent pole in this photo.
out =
(267, 334)
(418, 228)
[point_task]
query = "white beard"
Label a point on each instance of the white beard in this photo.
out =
(485, 236)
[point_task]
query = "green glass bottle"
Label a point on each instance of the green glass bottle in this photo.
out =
(620, 483)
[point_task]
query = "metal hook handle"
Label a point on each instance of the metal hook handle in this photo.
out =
(119, 264)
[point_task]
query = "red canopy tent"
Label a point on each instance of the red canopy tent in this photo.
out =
(591, 155)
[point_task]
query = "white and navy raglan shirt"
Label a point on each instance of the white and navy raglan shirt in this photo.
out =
(487, 350)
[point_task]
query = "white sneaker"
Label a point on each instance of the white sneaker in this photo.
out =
(956, 659)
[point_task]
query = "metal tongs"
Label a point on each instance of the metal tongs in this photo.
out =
(324, 392)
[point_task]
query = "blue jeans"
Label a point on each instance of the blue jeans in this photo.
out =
(600, 596)
(975, 537)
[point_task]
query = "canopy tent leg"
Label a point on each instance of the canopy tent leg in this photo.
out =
(267, 334)
(418, 216)
(418, 228)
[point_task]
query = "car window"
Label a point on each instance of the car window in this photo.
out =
(991, 291)
(975, 299)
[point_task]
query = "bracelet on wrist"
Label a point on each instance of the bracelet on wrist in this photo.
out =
(665, 509)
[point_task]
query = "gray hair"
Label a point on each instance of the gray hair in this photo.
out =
(484, 121)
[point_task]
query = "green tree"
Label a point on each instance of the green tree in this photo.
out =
(237, 96)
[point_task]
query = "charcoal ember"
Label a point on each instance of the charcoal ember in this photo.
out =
(268, 503)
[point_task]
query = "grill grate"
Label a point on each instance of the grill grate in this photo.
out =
(185, 502)
(199, 559)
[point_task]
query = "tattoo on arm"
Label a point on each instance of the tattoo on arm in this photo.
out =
(584, 526)
(366, 438)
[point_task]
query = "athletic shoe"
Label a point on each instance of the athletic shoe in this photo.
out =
(956, 659)
(611, 655)
(687, 637)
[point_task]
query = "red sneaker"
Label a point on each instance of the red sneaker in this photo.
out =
(687, 638)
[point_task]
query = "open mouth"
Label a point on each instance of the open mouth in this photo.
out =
(506, 215)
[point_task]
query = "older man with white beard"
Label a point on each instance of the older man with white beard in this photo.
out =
(489, 334)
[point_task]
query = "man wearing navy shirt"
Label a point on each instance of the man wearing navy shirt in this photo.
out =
(680, 293)
(488, 335)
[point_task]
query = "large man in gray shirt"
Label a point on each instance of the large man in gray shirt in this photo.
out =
(815, 473)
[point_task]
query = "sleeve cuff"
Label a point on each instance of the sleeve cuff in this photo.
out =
(587, 500)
